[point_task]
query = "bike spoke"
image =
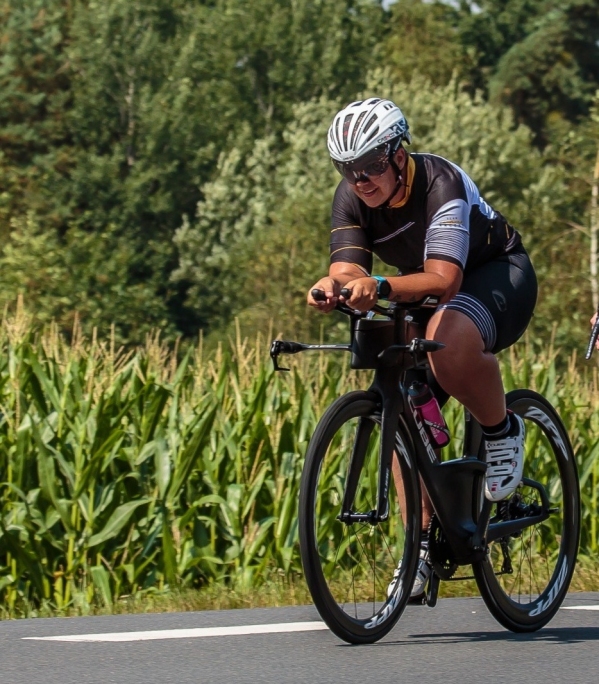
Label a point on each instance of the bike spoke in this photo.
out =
(542, 554)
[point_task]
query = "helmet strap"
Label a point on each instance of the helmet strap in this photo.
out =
(398, 183)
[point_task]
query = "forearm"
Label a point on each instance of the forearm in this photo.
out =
(411, 288)
(440, 278)
(344, 273)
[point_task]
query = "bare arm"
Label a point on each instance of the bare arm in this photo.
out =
(441, 278)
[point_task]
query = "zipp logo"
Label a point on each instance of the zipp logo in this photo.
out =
(400, 447)
(555, 589)
(386, 612)
(545, 420)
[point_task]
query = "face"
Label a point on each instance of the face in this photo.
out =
(375, 190)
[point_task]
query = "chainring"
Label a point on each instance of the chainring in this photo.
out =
(439, 550)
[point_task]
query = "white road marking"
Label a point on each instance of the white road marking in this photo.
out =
(189, 633)
(594, 607)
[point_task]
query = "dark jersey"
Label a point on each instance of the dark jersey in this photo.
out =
(442, 217)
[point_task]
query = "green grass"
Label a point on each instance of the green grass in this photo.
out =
(272, 593)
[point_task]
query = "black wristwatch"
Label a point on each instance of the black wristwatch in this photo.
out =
(383, 287)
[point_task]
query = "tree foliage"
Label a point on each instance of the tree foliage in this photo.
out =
(540, 57)
(422, 38)
(124, 122)
(163, 163)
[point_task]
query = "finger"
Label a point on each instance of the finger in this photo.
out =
(322, 305)
(325, 307)
(359, 300)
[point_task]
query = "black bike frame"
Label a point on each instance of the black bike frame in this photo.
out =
(455, 487)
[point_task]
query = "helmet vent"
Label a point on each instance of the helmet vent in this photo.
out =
(356, 128)
(346, 124)
(372, 119)
(336, 132)
(374, 132)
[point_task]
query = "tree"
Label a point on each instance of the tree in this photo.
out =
(259, 251)
(594, 213)
(155, 91)
(34, 93)
(541, 58)
(422, 38)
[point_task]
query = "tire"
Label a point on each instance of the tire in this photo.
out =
(543, 556)
(348, 566)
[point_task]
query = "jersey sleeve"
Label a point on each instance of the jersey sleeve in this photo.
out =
(448, 217)
(349, 242)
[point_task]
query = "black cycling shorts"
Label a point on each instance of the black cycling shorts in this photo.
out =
(499, 297)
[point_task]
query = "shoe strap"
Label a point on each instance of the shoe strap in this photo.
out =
(504, 442)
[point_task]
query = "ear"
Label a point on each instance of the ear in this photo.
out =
(400, 157)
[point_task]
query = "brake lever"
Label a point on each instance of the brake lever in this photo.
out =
(279, 347)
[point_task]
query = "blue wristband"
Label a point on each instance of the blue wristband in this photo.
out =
(383, 287)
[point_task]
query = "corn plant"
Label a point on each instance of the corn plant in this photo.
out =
(127, 471)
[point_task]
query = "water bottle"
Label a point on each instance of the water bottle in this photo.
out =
(423, 400)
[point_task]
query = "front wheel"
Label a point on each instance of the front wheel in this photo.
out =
(349, 566)
(526, 575)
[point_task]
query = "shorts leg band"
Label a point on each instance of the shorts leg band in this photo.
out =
(478, 313)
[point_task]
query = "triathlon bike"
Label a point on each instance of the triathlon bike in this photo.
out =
(360, 495)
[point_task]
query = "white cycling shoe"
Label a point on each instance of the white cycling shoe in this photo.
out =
(505, 461)
(422, 575)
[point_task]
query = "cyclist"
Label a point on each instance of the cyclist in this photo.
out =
(423, 216)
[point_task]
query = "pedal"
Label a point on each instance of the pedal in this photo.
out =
(419, 600)
(432, 590)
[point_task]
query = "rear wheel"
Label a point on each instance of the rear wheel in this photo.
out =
(349, 566)
(525, 576)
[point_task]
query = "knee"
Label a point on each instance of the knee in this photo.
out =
(464, 347)
(457, 332)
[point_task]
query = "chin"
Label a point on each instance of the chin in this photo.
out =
(373, 200)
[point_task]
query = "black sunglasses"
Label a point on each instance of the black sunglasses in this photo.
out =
(369, 165)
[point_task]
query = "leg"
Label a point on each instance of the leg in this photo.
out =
(424, 568)
(464, 369)
(487, 315)
(427, 507)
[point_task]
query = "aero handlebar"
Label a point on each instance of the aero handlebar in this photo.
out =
(428, 302)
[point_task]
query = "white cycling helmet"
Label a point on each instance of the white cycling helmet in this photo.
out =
(365, 125)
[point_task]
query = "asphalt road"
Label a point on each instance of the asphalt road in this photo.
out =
(458, 641)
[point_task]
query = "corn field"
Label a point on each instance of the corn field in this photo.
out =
(124, 472)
